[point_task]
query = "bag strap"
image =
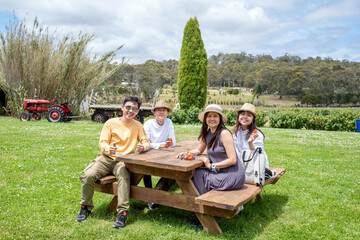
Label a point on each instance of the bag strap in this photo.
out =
(253, 155)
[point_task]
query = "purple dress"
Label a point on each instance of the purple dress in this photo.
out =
(220, 179)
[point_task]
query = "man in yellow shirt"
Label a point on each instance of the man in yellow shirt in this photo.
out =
(118, 136)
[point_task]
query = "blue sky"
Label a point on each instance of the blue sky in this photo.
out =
(154, 29)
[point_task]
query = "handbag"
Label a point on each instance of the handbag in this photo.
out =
(254, 166)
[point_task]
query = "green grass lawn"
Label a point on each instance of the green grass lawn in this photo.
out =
(40, 162)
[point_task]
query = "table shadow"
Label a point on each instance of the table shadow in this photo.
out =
(248, 224)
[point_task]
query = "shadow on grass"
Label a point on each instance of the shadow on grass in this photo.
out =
(101, 211)
(255, 217)
(248, 224)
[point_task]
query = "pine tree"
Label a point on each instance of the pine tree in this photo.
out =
(257, 91)
(192, 76)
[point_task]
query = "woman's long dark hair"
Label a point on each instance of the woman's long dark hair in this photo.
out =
(252, 126)
(214, 140)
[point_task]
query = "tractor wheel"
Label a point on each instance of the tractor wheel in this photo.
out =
(35, 116)
(99, 117)
(25, 116)
(69, 114)
(55, 114)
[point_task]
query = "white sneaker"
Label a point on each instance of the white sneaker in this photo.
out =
(240, 209)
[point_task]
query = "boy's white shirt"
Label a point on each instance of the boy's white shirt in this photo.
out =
(158, 134)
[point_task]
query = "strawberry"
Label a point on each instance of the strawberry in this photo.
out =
(169, 139)
(255, 131)
(188, 156)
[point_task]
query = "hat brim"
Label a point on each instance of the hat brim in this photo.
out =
(153, 110)
(202, 114)
(246, 110)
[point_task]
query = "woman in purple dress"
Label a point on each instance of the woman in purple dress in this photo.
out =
(223, 171)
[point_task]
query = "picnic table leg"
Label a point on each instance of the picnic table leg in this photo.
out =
(165, 184)
(112, 205)
(134, 179)
(208, 222)
(259, 196)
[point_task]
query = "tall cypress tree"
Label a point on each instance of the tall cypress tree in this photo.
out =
(192, 76)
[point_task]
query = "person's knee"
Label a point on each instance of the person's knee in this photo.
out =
(122, 173)
(89, 177)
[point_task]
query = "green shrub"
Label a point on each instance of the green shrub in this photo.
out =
(315, 122)
(287, 119)
(261, 119)
(312, 119)
(178, 116)
(233, 91)
(315, 119)
(231, 116)
(192, 115)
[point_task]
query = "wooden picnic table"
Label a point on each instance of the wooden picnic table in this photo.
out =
(164, 164)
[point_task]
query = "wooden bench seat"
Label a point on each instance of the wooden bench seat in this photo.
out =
(107, 179)
(227, 200)
(233, 199)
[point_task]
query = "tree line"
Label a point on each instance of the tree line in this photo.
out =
(313, 80)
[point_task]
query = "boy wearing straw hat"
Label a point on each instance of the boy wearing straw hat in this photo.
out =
(160, 129)
(161, 133)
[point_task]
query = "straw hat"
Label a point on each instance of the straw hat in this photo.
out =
(247, 107)
(161, 104)
(212, 108)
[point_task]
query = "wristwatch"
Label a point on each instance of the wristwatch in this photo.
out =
(213, 166)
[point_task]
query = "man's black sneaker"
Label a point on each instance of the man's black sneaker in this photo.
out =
(84, 212)
(120, 220)
(153, 206)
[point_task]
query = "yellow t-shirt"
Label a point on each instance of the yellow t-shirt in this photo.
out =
(124, 135)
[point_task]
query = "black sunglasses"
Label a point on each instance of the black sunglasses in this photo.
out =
(132, 108)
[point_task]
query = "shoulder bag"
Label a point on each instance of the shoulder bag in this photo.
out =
(254, 165)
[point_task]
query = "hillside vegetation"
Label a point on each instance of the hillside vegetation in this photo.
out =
(311, 81)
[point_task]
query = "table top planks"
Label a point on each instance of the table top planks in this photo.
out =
(165, 158)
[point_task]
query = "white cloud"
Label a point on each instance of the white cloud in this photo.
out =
(279, 5)
(154, 29)
(335, 9)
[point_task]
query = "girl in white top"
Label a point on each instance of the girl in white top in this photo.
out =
(245, 133)
(159, 130)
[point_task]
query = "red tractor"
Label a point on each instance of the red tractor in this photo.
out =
(56, 113)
